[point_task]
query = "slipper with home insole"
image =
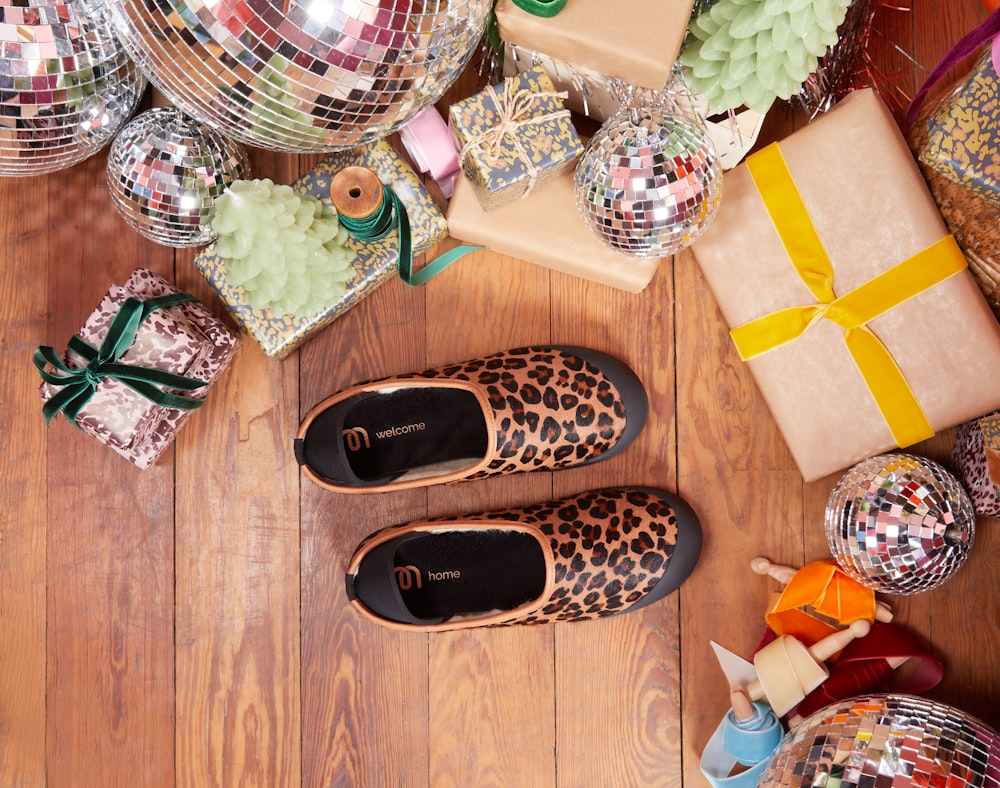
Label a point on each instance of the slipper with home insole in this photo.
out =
(592, 555)
(535, 408)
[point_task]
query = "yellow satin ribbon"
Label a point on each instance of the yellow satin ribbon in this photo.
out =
(851, 311)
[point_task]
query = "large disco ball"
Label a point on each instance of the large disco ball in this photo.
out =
(165, 172)
(301, 75)
(899, 523)
(66, 84)
(649, 181)
(886, 740)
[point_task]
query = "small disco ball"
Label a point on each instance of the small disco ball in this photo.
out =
(899, 523)
(886, 740)
(164, 173)
(301, 75)
(66, 84)
(649, 181)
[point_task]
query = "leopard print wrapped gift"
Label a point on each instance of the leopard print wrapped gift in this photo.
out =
(964, 135)
(185, 339)
(976, 461)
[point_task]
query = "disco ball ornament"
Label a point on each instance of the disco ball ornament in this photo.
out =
(66, 84)
(886, 740)
(165, 172)
(899, 523)
(301, 75)
(650, 180)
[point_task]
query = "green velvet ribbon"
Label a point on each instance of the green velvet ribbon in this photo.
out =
(391, 215)
(78, 385)
(542, 8)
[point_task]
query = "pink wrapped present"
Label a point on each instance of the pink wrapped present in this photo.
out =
(141, 363)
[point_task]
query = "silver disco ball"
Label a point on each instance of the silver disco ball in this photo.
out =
(301, 75)
(649, 181)
(886, 740)
(899, 523)
(66, 84)
(164, 173)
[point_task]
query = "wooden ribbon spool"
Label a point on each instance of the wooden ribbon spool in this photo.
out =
(356, 192)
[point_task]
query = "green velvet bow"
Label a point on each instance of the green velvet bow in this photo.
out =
(78, 385)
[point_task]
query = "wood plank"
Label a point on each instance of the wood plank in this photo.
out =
(736, 471)
(364, 687)
(110, 535)
(237, 545)
(24, 255)
(490, 691)
(636, 656)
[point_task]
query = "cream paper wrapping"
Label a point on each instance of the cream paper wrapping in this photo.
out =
(636, 41)
(872, 210)
(545, 228)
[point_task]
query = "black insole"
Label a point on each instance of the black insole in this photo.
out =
(463, 572)
(411, 428)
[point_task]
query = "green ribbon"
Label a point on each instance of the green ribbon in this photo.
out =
(79, 385)
(542, 8)
(391, 215)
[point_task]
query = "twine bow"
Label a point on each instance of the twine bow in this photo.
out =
(514, 109)
(78, 385)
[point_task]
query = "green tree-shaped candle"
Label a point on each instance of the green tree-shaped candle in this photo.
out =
(287, 249)
(751, 52)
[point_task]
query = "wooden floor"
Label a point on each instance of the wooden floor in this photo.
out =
(187, 625)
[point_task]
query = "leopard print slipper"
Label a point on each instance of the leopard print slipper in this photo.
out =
(596, 554)
(535, 408)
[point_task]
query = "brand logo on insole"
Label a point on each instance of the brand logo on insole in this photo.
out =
(409, 576)
(406, 429)
(356, 437)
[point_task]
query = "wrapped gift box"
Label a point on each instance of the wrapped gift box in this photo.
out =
(636, 41)
(976, 460)
(963, 140)
(545, 228)
(374, 261)
(514, 137)
(973, 220)
(184, 339)
(861, 191)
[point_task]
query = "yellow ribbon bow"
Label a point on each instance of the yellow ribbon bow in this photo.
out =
(851, 311)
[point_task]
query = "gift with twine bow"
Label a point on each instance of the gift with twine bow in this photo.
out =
(851, 305)
(137, 368)
(514, 137)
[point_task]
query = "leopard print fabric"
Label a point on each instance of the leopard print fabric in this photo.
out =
(552, 409)
(970, 464)
(610, 548)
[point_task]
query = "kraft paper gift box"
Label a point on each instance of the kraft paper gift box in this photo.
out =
(514, 137)
(963, 140)
(975, 458)
(374, 261)
(916, 321)
(545, 228)
(184, 339)
(636, 41)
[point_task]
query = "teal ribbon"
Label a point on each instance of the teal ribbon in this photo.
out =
(391, 215)
(542, 8)
(78, 385)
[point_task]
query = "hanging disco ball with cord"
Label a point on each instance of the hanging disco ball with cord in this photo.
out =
(650, 180)
(66, 84)
(301, 75)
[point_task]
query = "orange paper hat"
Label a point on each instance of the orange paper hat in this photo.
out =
(819, 600)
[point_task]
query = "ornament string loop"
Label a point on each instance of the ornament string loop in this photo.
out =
(514, 110)
(78, 385)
